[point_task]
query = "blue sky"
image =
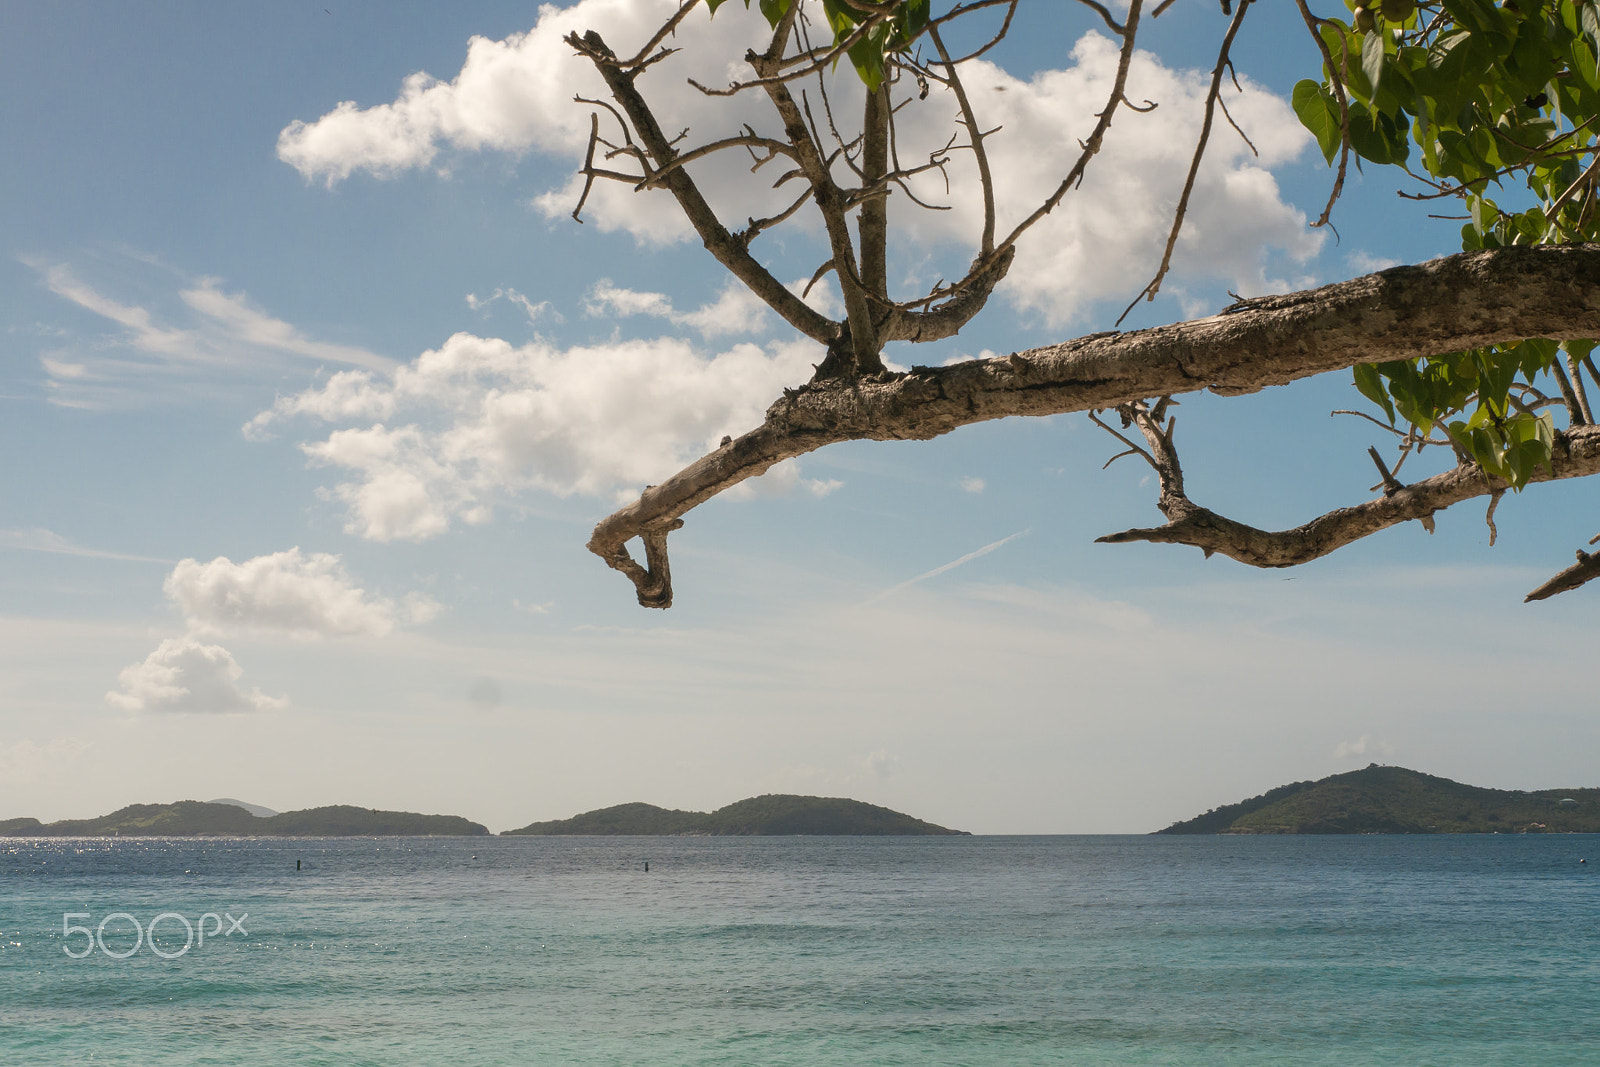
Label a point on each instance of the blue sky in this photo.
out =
(310, 423)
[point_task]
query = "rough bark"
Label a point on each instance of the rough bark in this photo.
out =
(1448, 304)
(1576, 454)
(1587, 569)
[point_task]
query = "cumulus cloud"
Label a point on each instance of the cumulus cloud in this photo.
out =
(449, 434)
(288, 593)
(184, 675)
(1106, 237)
(1103, 241)
(516, 94)
(223, 336)
(285, 593)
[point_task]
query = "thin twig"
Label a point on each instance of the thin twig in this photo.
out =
(1149, 292)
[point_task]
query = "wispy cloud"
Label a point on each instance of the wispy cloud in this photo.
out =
(42, 540)
(534, 311)
(208, 338)
(735, 311)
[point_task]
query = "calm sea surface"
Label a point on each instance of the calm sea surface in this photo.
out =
(805, 951)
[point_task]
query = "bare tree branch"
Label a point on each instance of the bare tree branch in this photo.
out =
(1585, 570)
(975, 137)
(1212, 97)
(873, 222)
(1335, 75)
(1462, 301)
(729, 250)
(1576, 454)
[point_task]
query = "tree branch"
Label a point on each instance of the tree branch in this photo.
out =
(1575, 455)
(1462, 301)
(731, 252)
(873, 222)
(1586, 569)
(1213, 97)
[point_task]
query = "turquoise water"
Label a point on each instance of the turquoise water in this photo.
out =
(805, 951)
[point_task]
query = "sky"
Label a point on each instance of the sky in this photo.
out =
(314, 389)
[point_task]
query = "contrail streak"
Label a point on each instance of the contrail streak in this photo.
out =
(952, 565)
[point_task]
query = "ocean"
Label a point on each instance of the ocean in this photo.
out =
(815, 951)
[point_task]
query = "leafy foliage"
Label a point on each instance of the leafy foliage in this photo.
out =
(870, 39)
(1471, 99)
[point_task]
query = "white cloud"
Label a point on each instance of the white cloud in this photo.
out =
(286, 592)
(881, 764)
(461, 426)
(781, 479)
(735, 311)
(534, 311)
(1362, 747)
(972, 485)
(42, 540)
(517, 94)
(242, 322)
(184, 675)
(226, 338)
(1367, 263)
(1104, 241)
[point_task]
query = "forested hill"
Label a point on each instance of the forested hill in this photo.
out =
(770, 815)
(189, 818)
(1394, 800)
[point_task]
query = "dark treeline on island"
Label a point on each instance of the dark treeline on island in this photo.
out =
(190, 818)
(1394, 800)
(770, 815)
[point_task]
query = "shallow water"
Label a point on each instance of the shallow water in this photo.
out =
(806, 951)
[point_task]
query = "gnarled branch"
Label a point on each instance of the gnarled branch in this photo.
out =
(1461, 301)
(1575, 455)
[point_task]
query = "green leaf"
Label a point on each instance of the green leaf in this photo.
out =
(1589, 19)
(1372, 58)
(774, 10)
(1377, 137)
(1371, 387)
(1319, 113)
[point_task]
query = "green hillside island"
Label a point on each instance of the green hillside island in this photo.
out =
(191, 818)
(1394, 800)
(770, 815)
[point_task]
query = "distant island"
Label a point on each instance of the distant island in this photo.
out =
(1394, 800)
(193, 818)
(771, 815)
